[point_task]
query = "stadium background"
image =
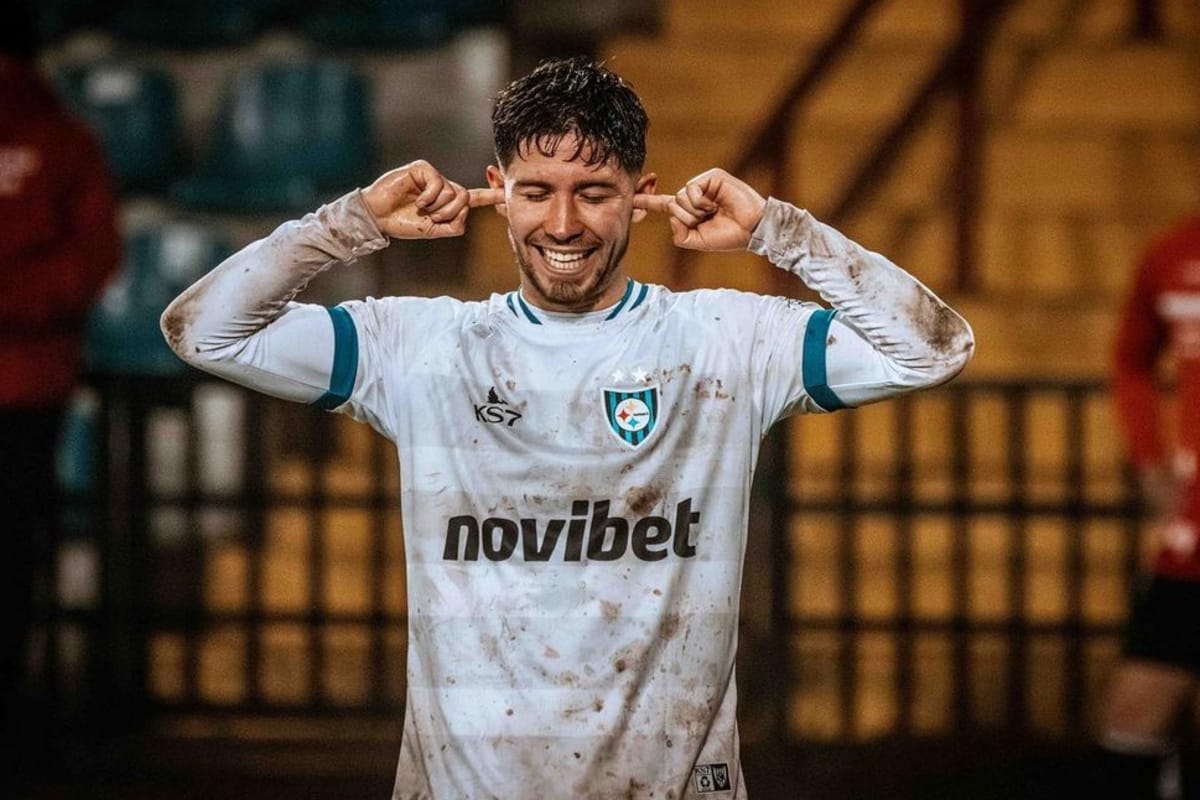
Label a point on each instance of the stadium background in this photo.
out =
(935, 586)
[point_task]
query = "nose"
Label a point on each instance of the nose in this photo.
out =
(562, 221)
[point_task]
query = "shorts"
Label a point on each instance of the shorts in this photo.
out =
(1164, 623)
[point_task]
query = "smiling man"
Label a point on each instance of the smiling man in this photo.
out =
(568, 221)
(576, 454)
(570, 197)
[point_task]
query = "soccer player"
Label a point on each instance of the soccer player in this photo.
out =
(1155, 683)
(576, 453)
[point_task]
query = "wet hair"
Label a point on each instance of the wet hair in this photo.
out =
(571, 96)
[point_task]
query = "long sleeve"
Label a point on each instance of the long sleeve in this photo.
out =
(239, 321)
(906, 336)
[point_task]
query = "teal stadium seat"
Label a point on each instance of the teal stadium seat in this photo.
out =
(123, 336)
(288, 136)
(77, 467)
(187, 24)
(134, 111)
(77, 459)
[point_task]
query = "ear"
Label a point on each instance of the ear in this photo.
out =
(495, 179)
(646, 184)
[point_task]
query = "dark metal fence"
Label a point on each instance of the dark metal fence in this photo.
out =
(956, 561)
(952, 562)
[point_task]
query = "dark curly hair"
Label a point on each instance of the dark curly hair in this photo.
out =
(571, 96)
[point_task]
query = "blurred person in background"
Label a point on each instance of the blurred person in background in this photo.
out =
(1153, 691)
(59, 243)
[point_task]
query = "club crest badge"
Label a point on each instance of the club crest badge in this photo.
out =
(632, 414)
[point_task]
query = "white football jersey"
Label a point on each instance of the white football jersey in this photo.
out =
(575, 505)
(575, 488)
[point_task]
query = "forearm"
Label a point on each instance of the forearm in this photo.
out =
(221, 323)
(900, 317)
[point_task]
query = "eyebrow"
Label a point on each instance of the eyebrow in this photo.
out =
(578, 187)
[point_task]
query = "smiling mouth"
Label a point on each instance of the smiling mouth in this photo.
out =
(565, 261)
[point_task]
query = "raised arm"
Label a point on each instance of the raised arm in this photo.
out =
(239, 321)
(912, 338)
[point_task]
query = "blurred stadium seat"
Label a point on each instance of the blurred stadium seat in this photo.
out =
(78, 460)
(134, 111)
(187, 24)
(123, 336)
(288, 134)
(395, 24)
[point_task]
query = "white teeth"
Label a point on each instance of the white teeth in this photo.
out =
(564, 259)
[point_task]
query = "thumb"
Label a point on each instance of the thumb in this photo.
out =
(477, 198)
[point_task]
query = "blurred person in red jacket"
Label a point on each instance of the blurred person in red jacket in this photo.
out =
(1153, 689)
(59, 244)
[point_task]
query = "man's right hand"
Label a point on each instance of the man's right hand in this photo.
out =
(418, 202)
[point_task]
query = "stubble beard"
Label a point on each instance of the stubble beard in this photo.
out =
(574, 296)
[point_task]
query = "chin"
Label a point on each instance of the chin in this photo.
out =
(565, 292)
(561, 292)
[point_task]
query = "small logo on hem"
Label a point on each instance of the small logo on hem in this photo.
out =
(710, 778)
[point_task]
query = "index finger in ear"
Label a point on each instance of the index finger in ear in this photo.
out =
(477, 198)
(658, 203)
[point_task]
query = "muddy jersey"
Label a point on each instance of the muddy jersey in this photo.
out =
(575, 486)
(1162, 316)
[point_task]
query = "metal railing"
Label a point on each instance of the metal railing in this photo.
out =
(959, 536)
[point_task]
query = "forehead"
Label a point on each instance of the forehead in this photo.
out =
(566, 163)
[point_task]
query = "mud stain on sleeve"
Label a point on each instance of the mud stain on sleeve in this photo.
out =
(176, 323)
(937, 324)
